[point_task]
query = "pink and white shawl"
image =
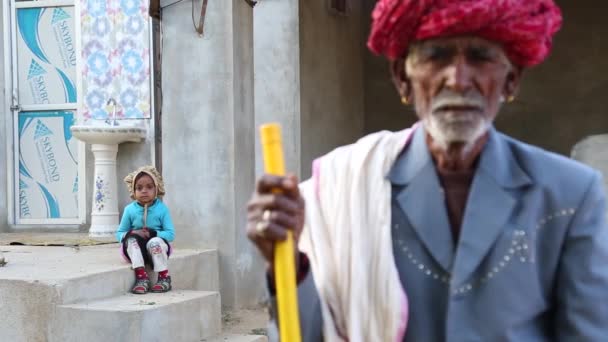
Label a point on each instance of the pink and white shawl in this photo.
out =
(347, 237)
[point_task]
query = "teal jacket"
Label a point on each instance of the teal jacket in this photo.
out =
(158, 220)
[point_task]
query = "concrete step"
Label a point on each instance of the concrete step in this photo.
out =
(174, 316)
(189, 269)
(36, 279)
(236, 338)
(89, 273)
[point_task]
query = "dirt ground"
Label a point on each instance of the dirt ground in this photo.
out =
(245, 321)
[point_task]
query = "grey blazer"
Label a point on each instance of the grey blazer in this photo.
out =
(531, 263)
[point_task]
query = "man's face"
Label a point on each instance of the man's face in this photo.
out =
(145, 190)
(457, 85)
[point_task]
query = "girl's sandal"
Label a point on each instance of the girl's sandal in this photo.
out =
(162, 285)
(141, 286)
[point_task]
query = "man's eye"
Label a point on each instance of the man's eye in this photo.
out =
(438, 53)
(479, 55)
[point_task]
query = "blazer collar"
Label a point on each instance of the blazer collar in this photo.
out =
(496, 159)
(488, 208)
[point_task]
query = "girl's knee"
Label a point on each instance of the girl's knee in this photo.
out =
(130, 244)
(155, 241)
(156, 245)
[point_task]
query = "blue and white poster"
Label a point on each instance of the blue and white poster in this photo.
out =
(48, 166)
(46, 54)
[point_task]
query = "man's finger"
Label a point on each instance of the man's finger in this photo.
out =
(273, 232)
(274, 202)
(288, 185)
(282, 219)
(267, 183)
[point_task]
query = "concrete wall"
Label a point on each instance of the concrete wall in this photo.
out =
(560, 102)
(276, 59)
(4, 120)
(208, 155)
(248, 267)
(332, 91)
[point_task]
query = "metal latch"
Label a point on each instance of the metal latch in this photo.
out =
(15, 106)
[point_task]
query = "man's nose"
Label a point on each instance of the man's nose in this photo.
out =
(459, 75)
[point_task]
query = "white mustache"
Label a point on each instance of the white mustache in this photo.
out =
(454, 100)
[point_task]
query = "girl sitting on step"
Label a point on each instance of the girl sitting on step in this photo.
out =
(146, 229)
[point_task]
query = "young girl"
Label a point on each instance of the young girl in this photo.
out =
(146, 229)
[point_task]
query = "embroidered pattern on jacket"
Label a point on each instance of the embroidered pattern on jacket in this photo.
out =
(520, 250)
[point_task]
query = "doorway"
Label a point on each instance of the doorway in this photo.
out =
(41, 58)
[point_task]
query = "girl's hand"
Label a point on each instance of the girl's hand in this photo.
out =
(144, 233)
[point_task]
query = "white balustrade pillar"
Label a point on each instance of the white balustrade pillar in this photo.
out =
(104, 211)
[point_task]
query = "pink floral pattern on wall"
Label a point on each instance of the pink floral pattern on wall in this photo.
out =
(115, 58)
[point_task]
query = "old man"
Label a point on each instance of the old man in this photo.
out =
(449, 230)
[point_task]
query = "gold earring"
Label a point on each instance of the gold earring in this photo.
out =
(511, 98)
(404, 101)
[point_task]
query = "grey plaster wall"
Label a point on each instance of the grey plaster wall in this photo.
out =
(250, 285)
(332, 90)
(208, 155)
(277, 75)
(3, 138)
(276, 60)
(560, 101)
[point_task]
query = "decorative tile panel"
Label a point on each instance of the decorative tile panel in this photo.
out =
(116, 58)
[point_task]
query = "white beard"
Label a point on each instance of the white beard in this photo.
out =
(446, 127)
(449, 128)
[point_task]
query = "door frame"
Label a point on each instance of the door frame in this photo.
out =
(13, 107)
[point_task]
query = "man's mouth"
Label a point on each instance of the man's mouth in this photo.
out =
(458, 108)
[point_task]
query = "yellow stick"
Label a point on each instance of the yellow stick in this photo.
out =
(284, 263)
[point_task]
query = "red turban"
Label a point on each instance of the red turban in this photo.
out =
(525, 28)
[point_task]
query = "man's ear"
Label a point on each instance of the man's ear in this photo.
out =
(400, 78)
(513, 81)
